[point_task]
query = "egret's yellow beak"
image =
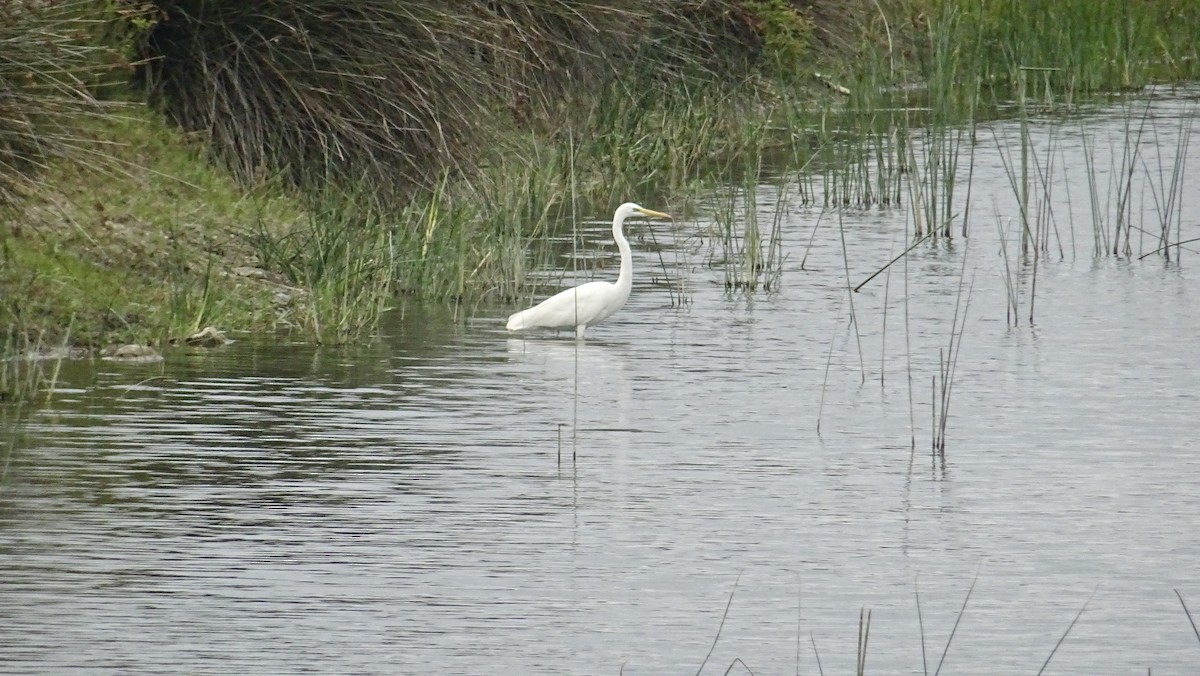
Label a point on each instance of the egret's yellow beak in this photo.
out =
(654, 214)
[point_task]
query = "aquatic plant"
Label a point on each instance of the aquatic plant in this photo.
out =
(864, 635)
(966, 49)
(27, 368)
(943, 381)
(965, 57)
(1166, 188)
(749, 252)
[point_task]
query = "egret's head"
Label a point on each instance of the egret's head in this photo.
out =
(630, 209)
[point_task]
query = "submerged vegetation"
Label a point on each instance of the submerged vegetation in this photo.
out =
(169, 165)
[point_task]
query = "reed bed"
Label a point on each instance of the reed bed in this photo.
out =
(1133, 198)
(938, 67)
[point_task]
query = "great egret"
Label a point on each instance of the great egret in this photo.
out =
(591, 303)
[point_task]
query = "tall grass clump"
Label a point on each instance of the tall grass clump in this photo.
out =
(281, 87)
(45, 75)
(393, 92)
(746, 247)
(338, 264)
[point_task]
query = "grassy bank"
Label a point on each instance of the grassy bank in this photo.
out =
(177, 164)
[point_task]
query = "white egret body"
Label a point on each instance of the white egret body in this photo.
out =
(591, 303)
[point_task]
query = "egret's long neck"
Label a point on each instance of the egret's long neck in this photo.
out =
(625, 279)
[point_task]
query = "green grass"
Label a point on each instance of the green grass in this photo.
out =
(138, 244)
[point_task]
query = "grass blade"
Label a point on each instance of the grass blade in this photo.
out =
(1064, 635)
(956, 621)
(720, 626)
(1188, 613)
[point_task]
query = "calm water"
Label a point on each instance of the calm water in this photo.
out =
(399, 508)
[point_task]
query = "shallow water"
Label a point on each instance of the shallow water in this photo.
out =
(400, 508)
